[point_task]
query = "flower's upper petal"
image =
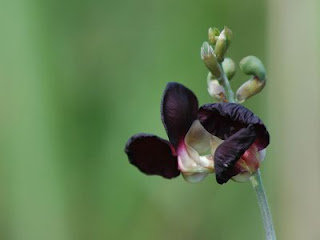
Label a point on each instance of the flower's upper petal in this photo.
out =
(152, 155)
(230, 151)
(178, 110)
(224, 119)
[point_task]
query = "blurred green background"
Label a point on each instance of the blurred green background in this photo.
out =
(78, 78)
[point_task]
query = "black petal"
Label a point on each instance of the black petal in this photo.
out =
(152, 155)
(178, 111)
(224, 119)
(230, 151)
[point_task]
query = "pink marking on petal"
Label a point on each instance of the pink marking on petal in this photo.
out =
(181, 147)
(249, 161)
(250, 157)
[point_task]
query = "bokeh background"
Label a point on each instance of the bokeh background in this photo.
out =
(78, 78)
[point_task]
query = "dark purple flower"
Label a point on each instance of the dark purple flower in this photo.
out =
(222, 138)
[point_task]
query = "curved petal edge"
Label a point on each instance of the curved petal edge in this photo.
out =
(179, 109)
(230, 151)
(225, 119)
(152, 155)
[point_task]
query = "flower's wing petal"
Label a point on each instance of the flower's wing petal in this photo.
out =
(201, 140)
(230, 151)
(152, 155)
(178, 110)
(224, 119)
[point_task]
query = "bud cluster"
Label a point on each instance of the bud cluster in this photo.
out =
(222, 69)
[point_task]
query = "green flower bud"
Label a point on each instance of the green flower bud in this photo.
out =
(252, 65)
(249, 89)
(228, 34)
(229, 67)
(210, 59)
(216, 90)
(213, 34)
(223, 43)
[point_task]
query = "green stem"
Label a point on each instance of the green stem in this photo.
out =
(263, 204)
(225, 82)
(256, 178)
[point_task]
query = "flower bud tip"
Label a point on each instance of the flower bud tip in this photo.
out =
(252, 65)
(213, 34)
(223, 43)
(209, 59)
(229, 67)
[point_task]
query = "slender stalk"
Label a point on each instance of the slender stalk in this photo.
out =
(263, 204)
(225, 82)
(255, 179)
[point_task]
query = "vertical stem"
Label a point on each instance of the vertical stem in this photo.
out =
(263, 204)
(226, 85)
(256, 178)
